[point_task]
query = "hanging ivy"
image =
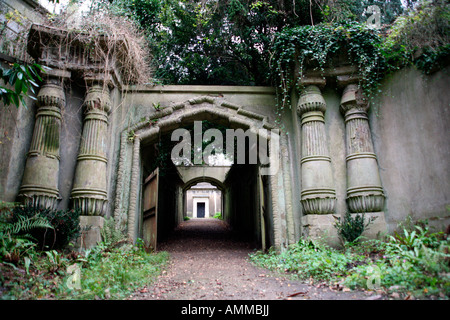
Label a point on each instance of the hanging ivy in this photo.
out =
(419, 38)
(304, 47)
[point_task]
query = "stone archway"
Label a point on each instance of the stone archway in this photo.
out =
(129, 174)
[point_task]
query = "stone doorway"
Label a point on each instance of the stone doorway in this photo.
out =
(201, 211)
(140, 139)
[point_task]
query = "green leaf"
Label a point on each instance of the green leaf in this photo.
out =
(15, 99)
(27, 264)
(23, 102)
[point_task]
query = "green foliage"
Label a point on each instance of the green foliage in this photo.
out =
(213, 42)
(101, 273)
(218, 215)
(117, 273)
(22, 78)
(413, 262)
(420, 37)
(111, 235)
(65, 225)
(317, 46)
(350, 228)
(308, 259)
(15, 235)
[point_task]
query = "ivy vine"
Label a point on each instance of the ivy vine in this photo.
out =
(309, 47)
(420, 38)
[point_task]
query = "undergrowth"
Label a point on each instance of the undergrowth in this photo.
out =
(111, 270)
(95, 274)
(414, 262)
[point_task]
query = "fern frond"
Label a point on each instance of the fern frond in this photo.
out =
(110, 234)
(25, 224)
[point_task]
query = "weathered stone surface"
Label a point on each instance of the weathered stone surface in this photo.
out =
(318, 195)
(321, 228)
(89, 193)
(40, 180)
(90, 231)
(364, 190)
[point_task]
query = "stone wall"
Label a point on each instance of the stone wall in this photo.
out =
(16, 17)
(389, 157)
(16, 124)
(409, 130)
(411, 133)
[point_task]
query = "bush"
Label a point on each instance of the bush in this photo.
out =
(116, 273)
(309, 259)
(416, 262)
(15, 238)
(65, 223)
(413, 262)
(351, 228)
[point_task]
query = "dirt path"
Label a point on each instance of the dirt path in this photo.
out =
(208, 264)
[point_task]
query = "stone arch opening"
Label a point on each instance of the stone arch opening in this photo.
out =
(203, 199)
(250, 211)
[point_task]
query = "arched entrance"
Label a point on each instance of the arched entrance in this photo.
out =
(202, 200)
(249, 204)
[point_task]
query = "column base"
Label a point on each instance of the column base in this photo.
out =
(321, 228)
(90, 232)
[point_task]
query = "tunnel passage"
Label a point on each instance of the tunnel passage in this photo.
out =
(243, 196)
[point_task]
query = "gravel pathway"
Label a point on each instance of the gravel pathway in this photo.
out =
(207, 263)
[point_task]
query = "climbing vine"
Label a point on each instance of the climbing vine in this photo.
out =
(419, 38)
(314, 46)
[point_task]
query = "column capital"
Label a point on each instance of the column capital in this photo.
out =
(311, 99)
(97, 98)
(353, 98)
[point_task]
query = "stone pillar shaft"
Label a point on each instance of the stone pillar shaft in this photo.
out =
(318, 195)
(364, 190)
(89, 193)
(40, 180)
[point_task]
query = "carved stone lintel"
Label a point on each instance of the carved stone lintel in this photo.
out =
(318, 195)
(364, 190)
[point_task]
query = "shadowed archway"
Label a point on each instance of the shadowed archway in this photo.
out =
(147, 132)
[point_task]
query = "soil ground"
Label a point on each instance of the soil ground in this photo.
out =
(208, 263)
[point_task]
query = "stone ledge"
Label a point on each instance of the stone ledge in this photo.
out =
(90, 232)
(321, 226)
(211, 89)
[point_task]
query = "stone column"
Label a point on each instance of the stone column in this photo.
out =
(364, 190)
(89, 193)
(40, 180)
(318, 195)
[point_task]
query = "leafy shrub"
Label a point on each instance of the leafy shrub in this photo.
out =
(421, 37)
(15, 238)
(65, 225)
(309, 259)
(413, 262)
(110, 234)
(351, 228)
(116, 273)
(416, 260)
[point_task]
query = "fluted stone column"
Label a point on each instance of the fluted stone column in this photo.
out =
(318, 195)
(40, 180)
(364, 190)
(89, 193)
